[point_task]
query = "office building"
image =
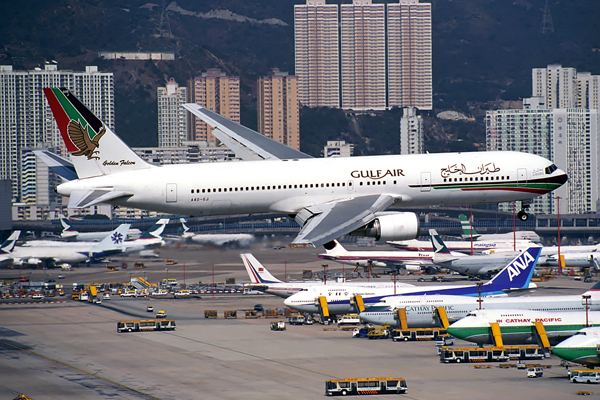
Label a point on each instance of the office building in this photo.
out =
(565, 87)
(279, 108)
(362, 40)
(172, 117)
(219, 93)
(409, 55)
(316, 38)
(338, 148)
(27, 123)
(411, 132)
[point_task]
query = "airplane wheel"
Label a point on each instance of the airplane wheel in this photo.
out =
(522, 215)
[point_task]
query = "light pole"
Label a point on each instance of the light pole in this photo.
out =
(558, 230)
(586, 297)
(324, 273)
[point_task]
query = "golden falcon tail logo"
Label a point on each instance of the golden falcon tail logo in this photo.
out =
(80, 138)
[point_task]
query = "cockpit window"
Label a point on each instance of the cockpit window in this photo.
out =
(551, 169)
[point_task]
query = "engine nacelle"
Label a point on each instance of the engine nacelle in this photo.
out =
(391, 226)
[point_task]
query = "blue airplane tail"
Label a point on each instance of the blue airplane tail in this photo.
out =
(517, 273)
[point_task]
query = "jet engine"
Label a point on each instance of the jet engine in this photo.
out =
(391, 226)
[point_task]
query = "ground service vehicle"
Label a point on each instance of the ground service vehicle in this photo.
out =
(146, 325)
(297, 320)
(535, 372)
(585, 376)
(278, 326)
(161, 314)
(488, 354)
(418, 334)
(365, 386)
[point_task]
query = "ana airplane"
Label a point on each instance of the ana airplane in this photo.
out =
(216, 239)
(70, 234)
(329, 197)
(56, 255)
(516, 275)
(469, 232)
(581, 348)
(393, 259)
(518, 326)
(421, 310)
(482, 265)
(263, 281)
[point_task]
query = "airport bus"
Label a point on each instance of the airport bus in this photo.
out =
(490, 354)
(585, 376)
(418, 334)
(365, 386)
(146, 325)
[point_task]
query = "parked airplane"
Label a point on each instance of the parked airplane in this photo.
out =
(328, 197)
(480, 246)
(581, 348)
(55, 255)
(516, 275)
(151, 239)
(519, 326)
(216, 239)
(7, 247)
(263, 281)
(393, 259)
(469, 232)
(68, 233)
(481, 265)
(421, 310)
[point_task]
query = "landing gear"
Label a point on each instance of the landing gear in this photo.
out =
(522, 214)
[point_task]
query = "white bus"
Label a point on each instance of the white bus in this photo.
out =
(365, 386)
(146, 325)
(585, 376)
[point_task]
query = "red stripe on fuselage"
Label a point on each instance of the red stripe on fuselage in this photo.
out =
(511, 189)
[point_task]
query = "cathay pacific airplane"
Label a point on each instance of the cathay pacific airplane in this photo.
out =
(515, 275)
(68, 233)
(421, 310)
(518, 326)
(581, 348)
(329, 197)
(263, 281)
(469, 233)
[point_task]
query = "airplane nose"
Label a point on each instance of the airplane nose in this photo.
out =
(562, 178)
(287, 302)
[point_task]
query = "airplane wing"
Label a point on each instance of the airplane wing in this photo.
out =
(324, 222)
(245, 143)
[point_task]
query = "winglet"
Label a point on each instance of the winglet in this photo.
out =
(256, 271)
(9, 244)
(517, 273)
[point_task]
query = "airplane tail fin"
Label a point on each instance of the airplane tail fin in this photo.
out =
(156, 231)
(95, 149)
(113, 241)
(57, 164)
(467, 228)
(594, 289)
(68, 232)
(185, 227)
(256, 271)
(517, 273)
(334, 248)
(439, 247)
(9, 244)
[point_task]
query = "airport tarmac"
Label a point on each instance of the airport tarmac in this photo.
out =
(71, 349)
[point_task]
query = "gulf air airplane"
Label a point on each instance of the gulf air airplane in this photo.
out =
(328, 197)
(519, 326)
(515, 275)
(581, 348)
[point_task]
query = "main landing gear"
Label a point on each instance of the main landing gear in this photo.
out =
(522, 214)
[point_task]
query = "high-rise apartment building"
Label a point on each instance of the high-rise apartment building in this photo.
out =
(316, 38)
(27, 123)
(565, 87)
(370, 78)
(219, 93)
(362, 40)
(411, 132)
(409, 54)
(172, 117)
(279, 108)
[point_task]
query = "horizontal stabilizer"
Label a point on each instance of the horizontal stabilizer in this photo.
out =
(57, 164)
(86, 198)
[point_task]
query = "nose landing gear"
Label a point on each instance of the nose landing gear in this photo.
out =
(522, 214)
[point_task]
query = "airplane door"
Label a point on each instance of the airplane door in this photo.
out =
(171, 195)
(425, 181)
(521, 177)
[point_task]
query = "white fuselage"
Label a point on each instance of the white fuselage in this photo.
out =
(289, 185)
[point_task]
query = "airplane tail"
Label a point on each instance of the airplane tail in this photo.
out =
(256, 271)
(95, 149)
(517, 273)
(334, 249)
(187, 234)
(467, 228)
(439, 247)
(594, 289)
(9, 244)
(114, 240)
(67, 232)
(156, 231)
